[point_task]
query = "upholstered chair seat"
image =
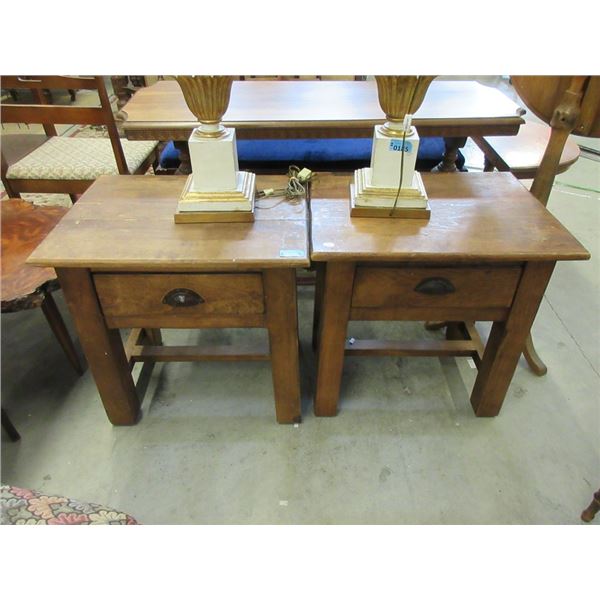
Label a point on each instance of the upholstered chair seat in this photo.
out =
(78, 158)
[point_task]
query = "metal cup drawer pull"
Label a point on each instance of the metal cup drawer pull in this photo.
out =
(435, 286)
(182, 297)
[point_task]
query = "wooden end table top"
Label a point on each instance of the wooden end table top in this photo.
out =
(487, 217)
(24, 226)
(322, 109)
(125, 222)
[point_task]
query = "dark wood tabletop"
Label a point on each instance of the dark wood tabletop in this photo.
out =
(276, 109)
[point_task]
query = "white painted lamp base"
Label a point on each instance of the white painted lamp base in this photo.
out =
(218, 207)
(367, 200)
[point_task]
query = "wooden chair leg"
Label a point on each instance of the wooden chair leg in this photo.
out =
(590, 512)
(488, 165)
(10, 429)
(154, 336)
(536, 364)
(11, 193)
(57, 325)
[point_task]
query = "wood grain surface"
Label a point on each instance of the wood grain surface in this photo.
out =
(103, 348)
(143, 295)
(474, 217)
(323, 109)
(24, 226)
(543, 93)
(470, 287)
(126, 223)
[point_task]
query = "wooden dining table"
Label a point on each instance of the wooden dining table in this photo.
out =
(454, 110)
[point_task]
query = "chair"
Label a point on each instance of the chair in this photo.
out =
(522, 154)
(68, 165)
(569, 104)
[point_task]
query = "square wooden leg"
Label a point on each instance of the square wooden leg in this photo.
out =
(282, 323)
(506, 341)
(319, 290)
(103, 347)
(333, 324)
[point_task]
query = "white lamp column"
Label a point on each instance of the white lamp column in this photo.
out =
(216, 190)
(391, 186)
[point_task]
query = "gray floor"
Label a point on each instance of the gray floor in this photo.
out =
(405, 448)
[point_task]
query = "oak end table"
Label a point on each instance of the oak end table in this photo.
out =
(487, 253)
(122, 262)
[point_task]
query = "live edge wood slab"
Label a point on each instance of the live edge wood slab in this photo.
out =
(123, 262)
(487, 253)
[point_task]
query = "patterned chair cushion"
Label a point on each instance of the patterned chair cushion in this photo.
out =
(26, 507)
(78, 158)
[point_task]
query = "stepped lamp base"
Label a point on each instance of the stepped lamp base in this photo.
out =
(236, 206)
(369, 201)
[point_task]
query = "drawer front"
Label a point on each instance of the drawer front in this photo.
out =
(463, 287)
(129, 297)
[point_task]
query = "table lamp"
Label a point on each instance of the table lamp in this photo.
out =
(391, 187)
(216, 190)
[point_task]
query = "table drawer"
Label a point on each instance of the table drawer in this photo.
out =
(129, 300)
(462, 287)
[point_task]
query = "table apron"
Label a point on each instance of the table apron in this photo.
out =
(182, 131)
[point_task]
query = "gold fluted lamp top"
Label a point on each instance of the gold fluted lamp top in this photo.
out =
(207, 96)
(400, 95)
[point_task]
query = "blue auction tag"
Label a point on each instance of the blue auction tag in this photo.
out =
(396, 146)
(291, 253)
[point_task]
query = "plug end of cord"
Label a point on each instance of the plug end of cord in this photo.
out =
(304, 175)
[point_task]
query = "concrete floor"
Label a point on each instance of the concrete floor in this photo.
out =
(405, 448)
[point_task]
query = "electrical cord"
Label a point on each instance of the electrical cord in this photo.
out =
(401, 174)
(299, 180)
(299, 185)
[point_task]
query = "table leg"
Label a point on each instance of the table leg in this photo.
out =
(59, 329)
(282, 323)
(154, 336)
(185, 168)
(103, 347)
(333, 324)
(319, 287)
(448, 164)
(506, 341)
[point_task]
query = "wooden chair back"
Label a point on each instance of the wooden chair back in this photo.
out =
(50, 115)
(569, 104)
